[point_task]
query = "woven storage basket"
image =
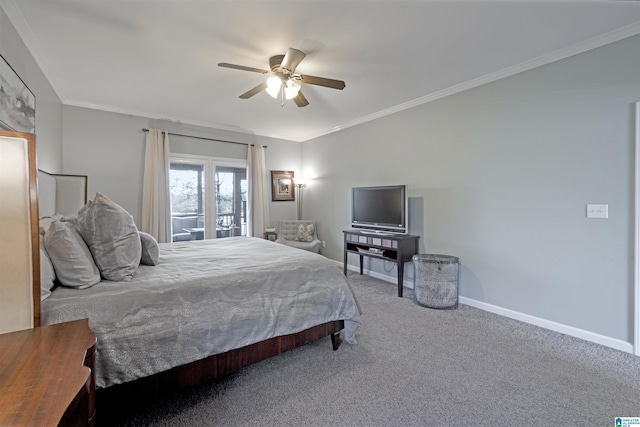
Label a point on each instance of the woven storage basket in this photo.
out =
(436, 281)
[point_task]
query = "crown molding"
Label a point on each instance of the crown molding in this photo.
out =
(581, 47)
(156, 116)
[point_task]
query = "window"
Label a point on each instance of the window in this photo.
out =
(208, 197)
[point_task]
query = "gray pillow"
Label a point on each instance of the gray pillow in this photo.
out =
(70, 256)
(112, 237)
(150, 252)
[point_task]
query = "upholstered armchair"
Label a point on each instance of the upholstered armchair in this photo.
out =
(301, 234)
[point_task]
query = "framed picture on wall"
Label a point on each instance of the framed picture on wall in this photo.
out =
(282, 188)
(17, 102)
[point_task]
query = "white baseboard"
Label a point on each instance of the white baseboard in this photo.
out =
(543, 323)
(553, 326)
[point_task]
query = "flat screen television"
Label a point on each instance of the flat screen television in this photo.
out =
(382, 209)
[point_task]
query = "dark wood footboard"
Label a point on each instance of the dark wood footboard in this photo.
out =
(134, 393)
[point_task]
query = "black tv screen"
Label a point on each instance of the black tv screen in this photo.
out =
(380, 209)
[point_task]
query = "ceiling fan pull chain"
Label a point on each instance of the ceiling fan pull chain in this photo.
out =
(282, 95)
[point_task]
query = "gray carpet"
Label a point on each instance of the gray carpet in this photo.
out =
(417, 366)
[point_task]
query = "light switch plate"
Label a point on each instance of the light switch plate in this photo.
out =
(597, 211)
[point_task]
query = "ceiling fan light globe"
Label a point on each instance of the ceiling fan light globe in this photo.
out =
(273, 92)
(274, 82)
(290, 93)
(292, 89)
(273, 86)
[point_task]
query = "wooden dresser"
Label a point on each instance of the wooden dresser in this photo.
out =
(47, 376)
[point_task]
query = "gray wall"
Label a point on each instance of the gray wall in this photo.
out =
(48, 105)
(109, 148)
(500, 176)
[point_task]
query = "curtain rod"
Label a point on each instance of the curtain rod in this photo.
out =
(207, 139)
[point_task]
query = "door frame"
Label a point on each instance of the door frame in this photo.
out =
(636, 258)
(209, 163)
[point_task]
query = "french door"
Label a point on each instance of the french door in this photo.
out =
(208, 197)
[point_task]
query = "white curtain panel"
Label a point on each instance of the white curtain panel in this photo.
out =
(156, 198)
(258, 209)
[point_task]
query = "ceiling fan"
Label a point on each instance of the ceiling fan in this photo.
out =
(283, 80)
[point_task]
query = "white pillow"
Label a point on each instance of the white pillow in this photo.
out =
(74, 267)
(150, 251)
(47, 275)
(112, 237)
(305, 232)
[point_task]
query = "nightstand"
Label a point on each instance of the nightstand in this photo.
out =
(47, 376)
(270, 235)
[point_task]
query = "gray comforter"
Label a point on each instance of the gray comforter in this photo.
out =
(203, 298)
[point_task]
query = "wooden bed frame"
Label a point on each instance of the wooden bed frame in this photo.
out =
(144, 390)
(139, 391)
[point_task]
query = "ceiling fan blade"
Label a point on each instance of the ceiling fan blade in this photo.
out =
(300, 100)
(242, 67)
(248, 94)
(291, 60)
(323, 81)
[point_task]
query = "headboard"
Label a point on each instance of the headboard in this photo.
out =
(61, 194)
(58, 194)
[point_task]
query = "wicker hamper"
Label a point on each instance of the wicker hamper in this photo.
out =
(436, 281)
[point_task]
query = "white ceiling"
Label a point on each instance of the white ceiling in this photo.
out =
(159, 59)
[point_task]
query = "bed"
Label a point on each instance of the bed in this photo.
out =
(207, 308)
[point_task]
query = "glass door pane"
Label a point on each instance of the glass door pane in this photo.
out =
(187, 201)
(231, 201)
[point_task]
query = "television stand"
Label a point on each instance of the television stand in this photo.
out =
(396, 248)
